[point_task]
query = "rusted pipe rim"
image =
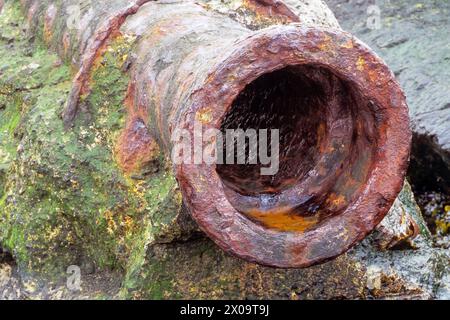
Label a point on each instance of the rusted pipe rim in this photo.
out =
(355, 200)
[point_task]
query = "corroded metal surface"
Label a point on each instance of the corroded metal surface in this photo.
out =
(343, 153)
(349, 189)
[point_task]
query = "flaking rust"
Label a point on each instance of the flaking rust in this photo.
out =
(272, 10)
(343, 119)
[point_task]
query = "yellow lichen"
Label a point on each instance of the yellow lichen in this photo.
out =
(361, 63)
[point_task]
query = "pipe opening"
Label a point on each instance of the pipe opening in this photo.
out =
(286, 100)
(344, 146)
(326, 143)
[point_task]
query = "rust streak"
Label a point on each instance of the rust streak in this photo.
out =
(94, 47)
(273, 9)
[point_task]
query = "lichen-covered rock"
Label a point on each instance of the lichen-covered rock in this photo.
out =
(413, 268)
(63, 198)
(313, 13)
(413, 38)
(197, 270)
(402, 224)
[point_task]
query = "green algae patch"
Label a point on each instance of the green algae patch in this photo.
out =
(198, 269)
(63, 199)
(161, 225)
(408, 200)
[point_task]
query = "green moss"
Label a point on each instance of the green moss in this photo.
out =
(158, 288)
(63, 197)
(16, 240)
(9, 119)
(408, 200)
(163, 202)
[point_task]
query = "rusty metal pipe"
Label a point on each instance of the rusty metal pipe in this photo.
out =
(343, 120)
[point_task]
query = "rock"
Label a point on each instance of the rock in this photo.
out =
(10, 288)
(413, 39)
(401, 225)
(313, 13)
(88, 267)
(5, 274)
(444, 292)
(364, 272)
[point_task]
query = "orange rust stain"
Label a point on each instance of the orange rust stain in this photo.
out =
(321, 137)
(283, 219)
(231, 77)
(270, 12)
(136, 148)
(129, 98)
(49, 21)
(325, 45)
(47, 34)
(133, 106)
(162, 29)
(336, 200)
(48, 30)
(204, 115)
(373, 75)
(66, 42)
(348, 45)
(115, 35)
(361, 63)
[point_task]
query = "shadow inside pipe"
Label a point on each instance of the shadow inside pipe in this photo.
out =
(6, 257)
(429, 175)
(286, 101)
(327, 137)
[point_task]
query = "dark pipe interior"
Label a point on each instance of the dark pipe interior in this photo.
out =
(290, 102)
(327, 141)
